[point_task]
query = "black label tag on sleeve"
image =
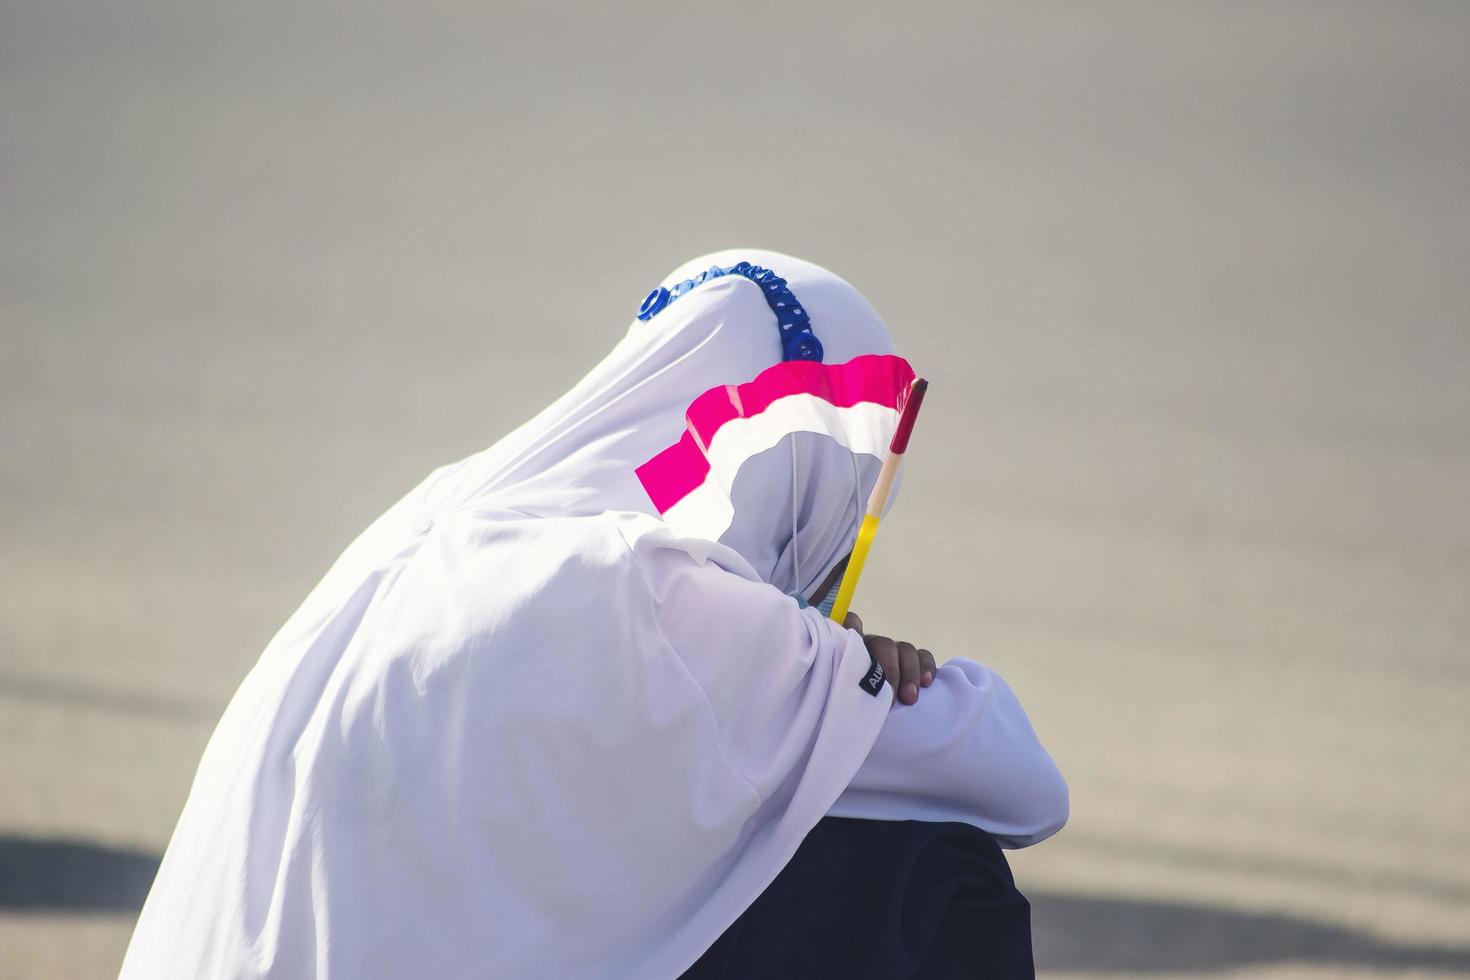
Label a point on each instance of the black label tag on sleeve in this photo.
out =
(872, 681)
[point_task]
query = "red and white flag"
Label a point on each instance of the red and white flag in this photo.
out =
(857, 404)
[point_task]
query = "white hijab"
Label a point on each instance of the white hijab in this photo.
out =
(578, 456)
(521, 728)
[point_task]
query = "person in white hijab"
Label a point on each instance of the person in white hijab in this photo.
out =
(386, 797)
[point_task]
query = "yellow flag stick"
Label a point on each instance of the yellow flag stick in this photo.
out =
(878, 498)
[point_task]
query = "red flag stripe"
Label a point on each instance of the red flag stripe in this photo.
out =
(883, 379)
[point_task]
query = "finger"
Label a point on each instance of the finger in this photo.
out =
(853, 622)
(885, 651)
(908, 669)
(927, 668)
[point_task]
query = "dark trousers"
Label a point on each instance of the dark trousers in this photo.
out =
(882, 900)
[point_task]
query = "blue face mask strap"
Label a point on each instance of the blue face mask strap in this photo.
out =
(798, 343)
(830, 599)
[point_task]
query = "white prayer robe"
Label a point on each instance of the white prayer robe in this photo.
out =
(521, 729)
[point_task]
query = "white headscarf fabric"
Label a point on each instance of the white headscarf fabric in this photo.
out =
(521, 728)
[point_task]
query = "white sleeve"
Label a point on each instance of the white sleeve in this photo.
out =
(965, 752)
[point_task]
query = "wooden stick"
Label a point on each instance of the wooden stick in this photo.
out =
(878, 499)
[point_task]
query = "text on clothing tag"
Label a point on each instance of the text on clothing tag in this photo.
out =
(872, 681)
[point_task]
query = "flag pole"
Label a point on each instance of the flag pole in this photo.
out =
(878, 498)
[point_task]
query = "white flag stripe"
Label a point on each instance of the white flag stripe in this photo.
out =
(706, 511)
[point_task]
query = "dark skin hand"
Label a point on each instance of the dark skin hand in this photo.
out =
(906, 666)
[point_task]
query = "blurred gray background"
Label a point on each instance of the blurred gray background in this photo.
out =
(1190, 281)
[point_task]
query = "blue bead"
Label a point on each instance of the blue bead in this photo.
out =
(802, 347)
(653, 302)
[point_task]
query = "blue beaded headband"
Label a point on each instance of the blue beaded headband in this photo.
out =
(798, 343)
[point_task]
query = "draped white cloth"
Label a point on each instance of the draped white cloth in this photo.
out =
(521, 729)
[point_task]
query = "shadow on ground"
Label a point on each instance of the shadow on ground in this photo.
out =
(1127, 935)
(1073, 933)
(43, 875)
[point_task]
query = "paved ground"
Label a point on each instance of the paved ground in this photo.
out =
(1190, 281)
